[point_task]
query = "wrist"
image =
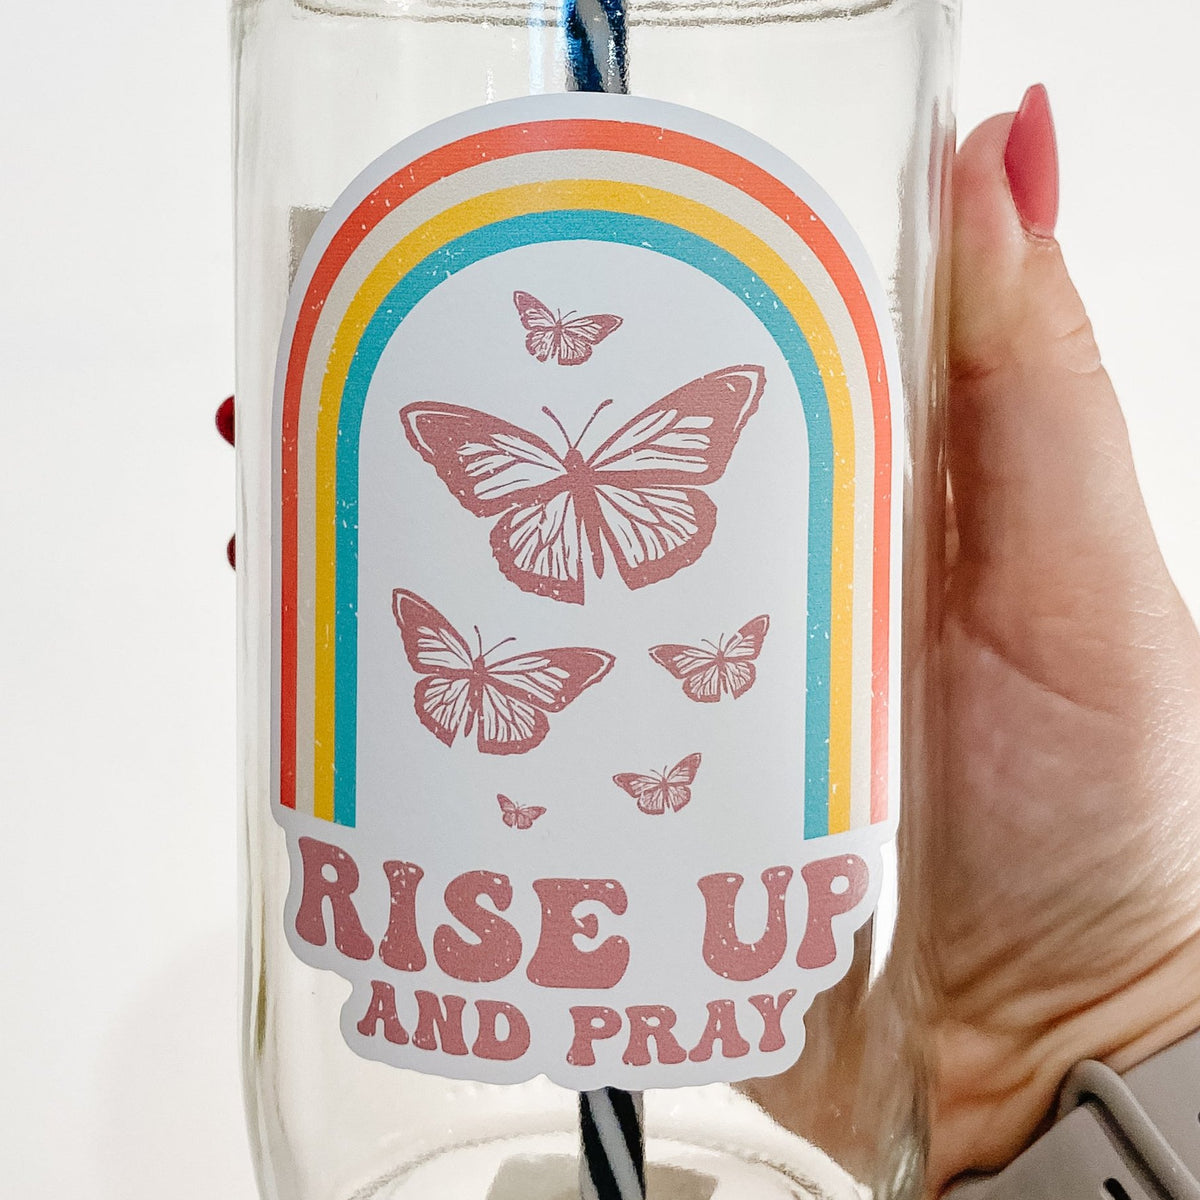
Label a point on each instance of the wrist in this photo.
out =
(1131, 1137)
(1155, 1012)
(998, 1081)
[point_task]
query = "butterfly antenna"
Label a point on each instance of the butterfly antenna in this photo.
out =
(588, 426)
(484, 653)
(706, 642)
(478, 639)
(566, 435)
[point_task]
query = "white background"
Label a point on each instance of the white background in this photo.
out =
(118, 927)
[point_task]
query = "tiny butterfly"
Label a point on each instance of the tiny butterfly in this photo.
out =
(726, 667)
(657, 792)
(517, 817)
(568, 338)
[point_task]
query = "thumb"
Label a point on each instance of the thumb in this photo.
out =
(1052, 531)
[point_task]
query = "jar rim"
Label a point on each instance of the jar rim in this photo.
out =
(548, 13)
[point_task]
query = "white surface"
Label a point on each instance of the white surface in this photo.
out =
(118, 1051)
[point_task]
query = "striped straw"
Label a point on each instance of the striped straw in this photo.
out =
(596, 53)
(612, 1165)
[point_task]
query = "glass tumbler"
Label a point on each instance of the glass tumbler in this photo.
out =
(588, 360)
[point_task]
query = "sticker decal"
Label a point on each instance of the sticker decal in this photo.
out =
(585, 680)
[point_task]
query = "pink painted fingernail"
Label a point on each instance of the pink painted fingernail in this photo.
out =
(1031, 163)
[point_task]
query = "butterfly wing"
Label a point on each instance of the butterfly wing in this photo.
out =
(533, 313)
(748, 641)
(737, 671)
(494, 468)
(518, 692)
(551, 679)
(677, 783)
(434, 648)
(697, 667)
(685, 438)
(577, 337)
(651, 513)
(649, 791)
(488, 464)
(544, 337)
(538, 546)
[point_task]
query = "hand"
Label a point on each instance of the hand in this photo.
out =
(1062, 859)
(1061, 864)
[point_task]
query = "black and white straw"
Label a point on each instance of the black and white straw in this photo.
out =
(597, 56)
(612, 1165)
(612, 1162)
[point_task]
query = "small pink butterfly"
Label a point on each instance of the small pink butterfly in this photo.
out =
(508, 700)
(568, 338)
(658, 792)
(517, 817)
(727, 667)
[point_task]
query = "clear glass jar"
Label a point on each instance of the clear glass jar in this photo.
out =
(859, 94)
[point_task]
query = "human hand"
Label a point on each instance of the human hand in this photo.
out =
(1062, 853)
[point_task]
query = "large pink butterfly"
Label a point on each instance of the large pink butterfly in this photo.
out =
(724, 668)
(507, 701)
(638, 499)
(659, 791)
(516, 816)
(568, 338)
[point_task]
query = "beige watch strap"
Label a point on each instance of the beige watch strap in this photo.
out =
(1135, 1137)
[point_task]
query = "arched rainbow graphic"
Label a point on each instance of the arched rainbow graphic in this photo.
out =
(608, 180)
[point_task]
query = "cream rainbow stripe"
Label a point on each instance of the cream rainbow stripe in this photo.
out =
(602, 175)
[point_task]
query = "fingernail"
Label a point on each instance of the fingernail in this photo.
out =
(231, 552)
(225, 419)
(1031, 163)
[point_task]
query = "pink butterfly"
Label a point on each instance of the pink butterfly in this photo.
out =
(658, 792)
(568, 338)
(516, 817)
(638, 499)
(726, 667)
(507, 700)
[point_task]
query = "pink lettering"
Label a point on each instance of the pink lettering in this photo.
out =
(489, 1044)
(593, 1023)
(835, 886)
(557, 961)
(770, 1008)
(438, 1026)
(722, 1025)
(652, 1021)
(499, 947)
(724, 952)
(330, 874)
(383, 1008)
(401, 947)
